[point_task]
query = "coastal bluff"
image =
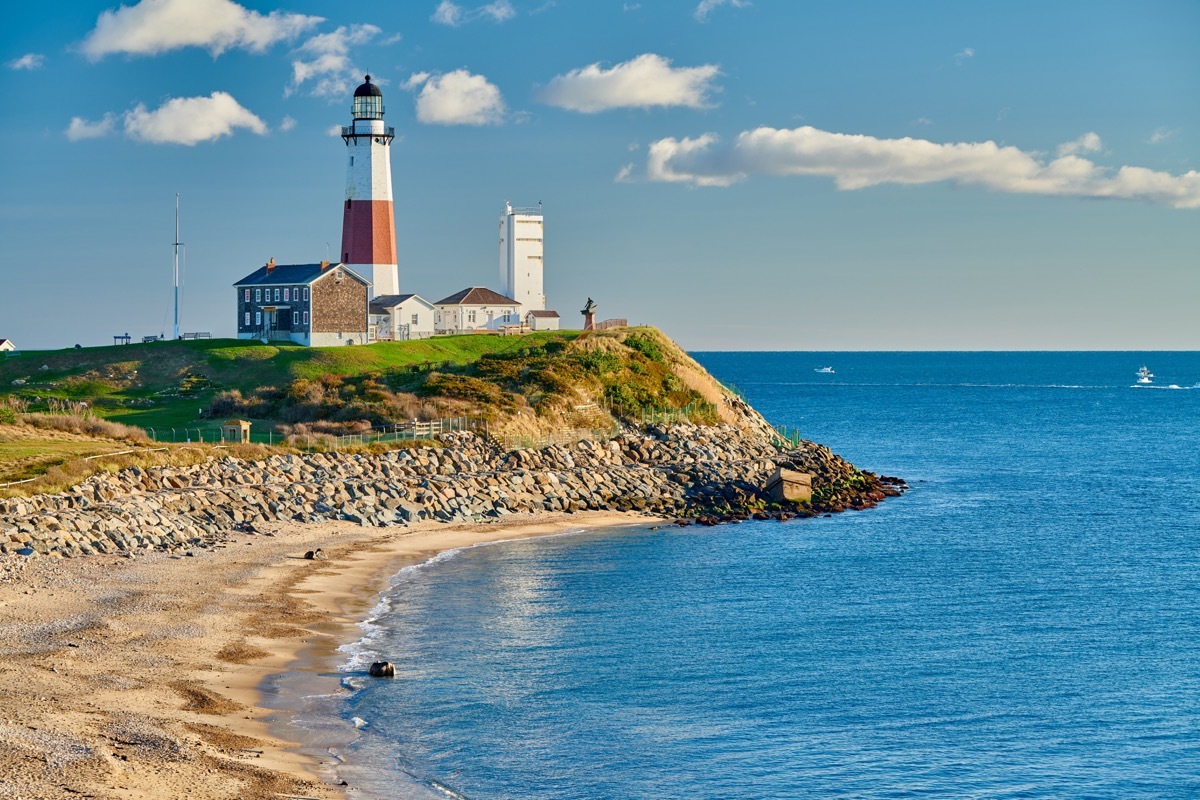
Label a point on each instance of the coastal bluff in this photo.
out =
(706, 473)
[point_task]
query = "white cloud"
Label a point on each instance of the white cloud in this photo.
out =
(189, 120)
(157, 26)
(414, 80)
(858, 161)
(625, 175)
(454, 15)
(964, 54)
(81, 129)
(1161, 135)
(643, 82)
(459, 98)
(706, 7)
(333, 130)
(287, 124)
(325, 59)
(922, 122)
(1088, 143)
(29, 61)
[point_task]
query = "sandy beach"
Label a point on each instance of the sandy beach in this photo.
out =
(141, 678)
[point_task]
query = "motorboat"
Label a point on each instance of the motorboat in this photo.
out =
(825, 370)
(1144, 375)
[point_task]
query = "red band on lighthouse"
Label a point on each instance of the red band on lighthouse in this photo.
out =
(368, 232)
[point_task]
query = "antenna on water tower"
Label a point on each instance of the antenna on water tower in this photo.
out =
(177, 244)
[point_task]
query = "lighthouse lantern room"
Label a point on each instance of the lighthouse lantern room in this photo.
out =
(368, 221)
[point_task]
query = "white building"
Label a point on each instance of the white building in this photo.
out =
(400, 317)
(7, 346)
(521, 254)
(538, 320)
(368, 219)
(475, 308)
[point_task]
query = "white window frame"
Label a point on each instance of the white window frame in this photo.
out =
(247, 324)
(258, 319)
(306, 293)
(258, 295)
(305, 317)
(276, 294)
(295, 317)
(247, 295)
(287, 294)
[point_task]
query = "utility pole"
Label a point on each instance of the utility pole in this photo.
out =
(175, 337)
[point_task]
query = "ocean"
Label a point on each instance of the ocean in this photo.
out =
(1024, 623)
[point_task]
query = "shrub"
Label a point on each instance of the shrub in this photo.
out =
(646, 346)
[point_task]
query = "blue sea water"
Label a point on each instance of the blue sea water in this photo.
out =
(1024, 623)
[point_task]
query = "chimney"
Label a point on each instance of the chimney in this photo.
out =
(324, 265)
(271, 265)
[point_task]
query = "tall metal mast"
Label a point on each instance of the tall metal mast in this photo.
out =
(175, 337)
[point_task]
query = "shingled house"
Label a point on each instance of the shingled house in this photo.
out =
(319, 305)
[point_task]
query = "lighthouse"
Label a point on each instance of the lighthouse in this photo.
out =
(368, 222)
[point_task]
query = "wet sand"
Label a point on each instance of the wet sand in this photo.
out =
(143, 678)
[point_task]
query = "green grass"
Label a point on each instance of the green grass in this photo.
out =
(139, 384)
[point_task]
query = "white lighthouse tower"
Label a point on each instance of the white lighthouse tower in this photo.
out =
(368, 223)
(521, 251)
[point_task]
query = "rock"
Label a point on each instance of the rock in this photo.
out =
(382, 669)
(26, 551)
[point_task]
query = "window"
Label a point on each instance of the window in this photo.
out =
(414, 319)
(522, 239)
(258, 318)
(287, 295)
(470, 316)
(295, 317)
(247, 322)
(305, 292)
(276, 294)
(247, 295)
(535, 258)
(305, 317)
(352, 161)
(258, 295)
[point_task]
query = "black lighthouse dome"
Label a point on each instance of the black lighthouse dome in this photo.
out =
(368, 101)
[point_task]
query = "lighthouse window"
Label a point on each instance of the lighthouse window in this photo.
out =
(352, 161)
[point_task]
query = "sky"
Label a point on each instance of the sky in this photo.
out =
(746, 175)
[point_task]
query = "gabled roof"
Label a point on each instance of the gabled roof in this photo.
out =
(290, 274)
(386, 302)
(477, 296)
(544, 314)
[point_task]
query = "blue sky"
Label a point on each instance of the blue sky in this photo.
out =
(745, 175)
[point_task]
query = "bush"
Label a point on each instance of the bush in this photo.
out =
(89, 425)
(7, 416)
(646, 346)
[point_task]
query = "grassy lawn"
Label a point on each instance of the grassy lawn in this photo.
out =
(166, 385)
(27, 458)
